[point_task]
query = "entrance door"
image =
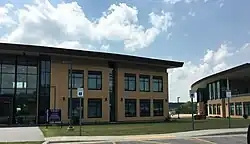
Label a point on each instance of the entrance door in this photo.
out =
(5, 111)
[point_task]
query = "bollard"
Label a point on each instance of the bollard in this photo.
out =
(248, 135)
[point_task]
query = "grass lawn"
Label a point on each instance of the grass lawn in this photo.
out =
(144, 128)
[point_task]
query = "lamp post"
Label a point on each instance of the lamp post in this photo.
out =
(192, 95)
(178, 112)
(71, 93)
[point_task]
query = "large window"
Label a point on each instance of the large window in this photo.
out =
(218, 109)
(77, 79)
(210, 109)
(238, 107)
(210, 91)
(144, 107)
(144, 83)
(247, 108)
(214, 109)
(130, 107)
(232, 109)
(94, 80)
(158, 107)
(129, 82)
(94, 108)
(157, 84)
(75, 107)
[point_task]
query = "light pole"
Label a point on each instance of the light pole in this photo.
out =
(192, 95)
(71, 93)
(228, 94)
(178, 112)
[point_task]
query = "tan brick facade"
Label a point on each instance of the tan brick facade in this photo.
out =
(59, 79)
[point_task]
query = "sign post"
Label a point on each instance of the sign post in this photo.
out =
(192, 102)
(80, 94)
(229, 95)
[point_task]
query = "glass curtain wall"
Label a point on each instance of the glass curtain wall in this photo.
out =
(24, 89)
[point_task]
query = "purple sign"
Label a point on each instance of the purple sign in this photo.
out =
(53, 115)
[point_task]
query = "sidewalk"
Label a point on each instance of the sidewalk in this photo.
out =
(147, 137)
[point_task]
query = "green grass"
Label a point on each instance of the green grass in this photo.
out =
(144, 128)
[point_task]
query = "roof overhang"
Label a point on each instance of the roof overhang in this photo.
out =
(238, 72)
(22, 48)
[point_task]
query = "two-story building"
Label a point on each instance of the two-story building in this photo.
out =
(211, 93)
(117, 88)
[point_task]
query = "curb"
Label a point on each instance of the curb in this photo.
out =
(226, 133)
(73, 141)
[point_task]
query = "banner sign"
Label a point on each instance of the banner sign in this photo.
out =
(53, 115)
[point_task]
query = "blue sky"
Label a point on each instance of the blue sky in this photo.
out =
(209, 36)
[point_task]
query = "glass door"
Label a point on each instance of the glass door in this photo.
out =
(5, 111)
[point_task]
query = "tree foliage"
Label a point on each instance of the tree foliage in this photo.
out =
(187, 108)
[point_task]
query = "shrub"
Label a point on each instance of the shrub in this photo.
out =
(245, 116)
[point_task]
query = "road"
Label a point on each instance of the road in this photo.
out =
(225, 139)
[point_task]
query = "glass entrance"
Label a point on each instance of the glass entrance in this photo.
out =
(18, 98)
(5, 111)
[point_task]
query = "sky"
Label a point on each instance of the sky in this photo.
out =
(207, 35)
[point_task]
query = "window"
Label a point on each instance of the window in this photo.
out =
(214, 91)
(210, 109)
(214, 109)
(210, 91)
(130, 107)
(158, 107)
(238, 107)
(144, 83)
(77, 79)
(75, 107)
(157, 84)
(129, 82)
(232, 109)
(218, 109)
(144, 108)
(247, 108)
(94, 80)
(218, 89)
(94, 108)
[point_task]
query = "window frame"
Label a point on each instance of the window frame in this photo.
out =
(145, 102)
(218, 109)
(238, 109)
(232, 109)
(75, 77)
(214, 109)
(142, 79)
(210, 109)
(158, 102)
(159, 80)
(127, 80)
(96, 78)
(96, 101)
(128, 107)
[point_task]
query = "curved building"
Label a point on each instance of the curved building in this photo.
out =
(212, 92)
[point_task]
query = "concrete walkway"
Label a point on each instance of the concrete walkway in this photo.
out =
(147, 137)
(21, 134)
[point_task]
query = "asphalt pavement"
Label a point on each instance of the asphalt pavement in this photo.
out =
(223, 139)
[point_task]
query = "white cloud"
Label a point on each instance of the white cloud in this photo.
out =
(224, 57)
(5, 19)
(191, 13)
(66, 24)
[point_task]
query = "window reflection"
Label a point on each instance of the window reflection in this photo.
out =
(21, 69)
(32, 81)
(8, 68)
(7, 80)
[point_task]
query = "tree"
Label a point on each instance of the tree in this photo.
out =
(187, 108)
